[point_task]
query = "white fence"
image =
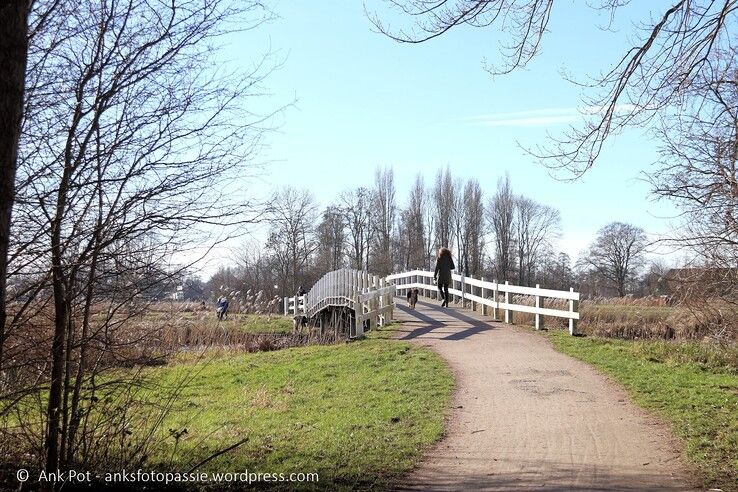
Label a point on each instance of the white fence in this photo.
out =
(371, 298)
(494, 295)
(291, 302)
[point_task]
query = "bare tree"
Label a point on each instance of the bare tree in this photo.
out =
(458, 223)
(699, 170)
(617, 254)
(126, 137)
(331, 241)
(292, 235)
(555, 269)
(356, 207)
(536, 226)
(258, 268)
(472, 229)
(500, 217)
(429, 225)
(384, 208)
(413, 226)
(443, 207)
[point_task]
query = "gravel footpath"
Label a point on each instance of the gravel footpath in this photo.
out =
(527, 416)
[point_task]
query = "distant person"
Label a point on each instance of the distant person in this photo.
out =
(222, 308)
(442, 275)
(301, 291)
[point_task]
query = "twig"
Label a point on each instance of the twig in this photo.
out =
(213, 456)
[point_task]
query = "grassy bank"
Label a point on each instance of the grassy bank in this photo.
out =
(359, 414)
(693, 387)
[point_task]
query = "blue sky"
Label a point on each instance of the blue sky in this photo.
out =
(363, 100)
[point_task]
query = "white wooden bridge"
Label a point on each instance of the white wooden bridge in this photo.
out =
(371, 298)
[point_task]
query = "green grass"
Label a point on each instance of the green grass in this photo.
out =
(250, 323)
(359, 414)
(691, 386)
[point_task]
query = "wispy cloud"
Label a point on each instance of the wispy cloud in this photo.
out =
(539, 117)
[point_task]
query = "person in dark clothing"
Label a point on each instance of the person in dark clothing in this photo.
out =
(222, 308)
(442, 275)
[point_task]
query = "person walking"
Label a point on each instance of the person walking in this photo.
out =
(442, 275)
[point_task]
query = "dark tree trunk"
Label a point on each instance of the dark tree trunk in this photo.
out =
(13, 57)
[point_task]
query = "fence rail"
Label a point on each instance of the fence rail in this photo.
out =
(497, 296)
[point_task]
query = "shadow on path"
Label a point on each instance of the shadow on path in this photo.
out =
(430, 323)
(430, 315)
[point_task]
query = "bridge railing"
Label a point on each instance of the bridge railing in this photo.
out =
(374, 307)
(370, 296)
(291, 302)
(495, 295)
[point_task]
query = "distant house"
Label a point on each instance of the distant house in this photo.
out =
(178, 294)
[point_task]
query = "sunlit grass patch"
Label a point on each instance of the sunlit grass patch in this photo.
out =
(359, 414)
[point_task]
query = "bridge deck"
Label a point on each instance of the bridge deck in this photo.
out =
(526, 415)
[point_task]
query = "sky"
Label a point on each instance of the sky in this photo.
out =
(363, 100)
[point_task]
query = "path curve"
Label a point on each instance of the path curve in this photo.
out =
(527, 416)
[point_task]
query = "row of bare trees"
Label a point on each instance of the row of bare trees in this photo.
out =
(503, 236)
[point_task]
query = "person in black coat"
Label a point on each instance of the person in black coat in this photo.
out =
(442, 275)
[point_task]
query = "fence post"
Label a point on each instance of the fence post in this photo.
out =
(345, 282)
(483, 295)
(373, 300)
(573, 307)
(359, 315)
(382, 302)
(463, 291)
(357, 281)
(286, 306)
(495, 295)
(473, 291)
(539, 304)
(508, 312)
(391, 300)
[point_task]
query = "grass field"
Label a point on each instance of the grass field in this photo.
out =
(359, 414)
(691, 386)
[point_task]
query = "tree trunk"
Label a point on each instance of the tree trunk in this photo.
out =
(13, 57)
(57, 365)
(61, 307)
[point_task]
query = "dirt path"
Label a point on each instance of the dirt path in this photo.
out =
(527, 416)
